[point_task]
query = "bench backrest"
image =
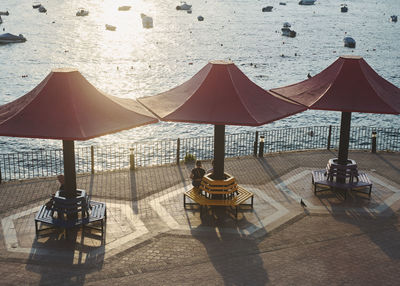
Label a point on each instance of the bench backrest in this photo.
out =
(69, 206)
(335, 171)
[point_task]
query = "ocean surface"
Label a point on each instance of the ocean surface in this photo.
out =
(132, 61)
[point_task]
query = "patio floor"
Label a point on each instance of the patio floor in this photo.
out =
(152, 240)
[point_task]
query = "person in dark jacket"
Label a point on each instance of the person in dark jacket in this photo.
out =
(197, 174)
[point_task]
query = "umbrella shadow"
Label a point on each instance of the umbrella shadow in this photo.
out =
(381, 229)
(68, 260)
(390, 164)
(234, 255)
(275, 177)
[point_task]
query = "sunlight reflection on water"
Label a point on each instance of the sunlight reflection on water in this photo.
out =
(133, 61)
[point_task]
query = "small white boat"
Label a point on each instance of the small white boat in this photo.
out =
(267, 9)
(184, 6)
(393, 18)
(286, 31)
(147, 21)
(344, 8)
(8, 38)
(4, 13)
(124, 8)
(36, 5)
(349, 42)
(42, 9)
(307, 2)
(110, 27)
(82, 12)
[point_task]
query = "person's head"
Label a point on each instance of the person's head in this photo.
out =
(60, 179)
(198, 163)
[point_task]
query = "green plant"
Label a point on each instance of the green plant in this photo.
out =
(189, 158)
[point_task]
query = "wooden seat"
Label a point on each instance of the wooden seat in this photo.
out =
(98, 213)
(60, 216)
(323, 180)
(241, 196)
(363, 183)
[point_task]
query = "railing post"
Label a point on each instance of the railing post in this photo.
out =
(328, 147)
(255, 144)
(92, 158)
(261, 149)
(132, 159)
(1, 179)
(178, 150)
(373, 138)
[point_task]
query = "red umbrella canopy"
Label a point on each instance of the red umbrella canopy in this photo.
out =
(220, 94)
(348, 85)
(66, 106)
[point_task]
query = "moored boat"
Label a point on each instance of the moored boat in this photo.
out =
(184, 6)
(6, 13)
(42, 9)
(286, 31)
(349, 42)
(307, 2)
(147, 21)
(110, 27)
(267, 9)
(344, 8)
(124, 8)
(8, 38)
(82, 12)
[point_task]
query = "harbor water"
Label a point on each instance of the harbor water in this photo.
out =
(132, 61)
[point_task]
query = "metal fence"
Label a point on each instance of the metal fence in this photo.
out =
(43, 163)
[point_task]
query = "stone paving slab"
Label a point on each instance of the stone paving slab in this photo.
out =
(151, 239)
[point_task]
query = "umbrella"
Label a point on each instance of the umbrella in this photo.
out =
(66, 106)
(220, 94)
(347, 85)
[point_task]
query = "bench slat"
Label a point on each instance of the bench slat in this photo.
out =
(243, 195)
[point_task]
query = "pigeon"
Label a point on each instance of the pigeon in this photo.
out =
(303, 204)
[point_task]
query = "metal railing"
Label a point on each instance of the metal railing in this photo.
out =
(44, 163)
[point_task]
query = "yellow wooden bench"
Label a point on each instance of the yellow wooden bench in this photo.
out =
(239, 198)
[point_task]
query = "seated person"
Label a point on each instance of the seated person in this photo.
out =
(61, 180)
(197, 174)
(210, 171)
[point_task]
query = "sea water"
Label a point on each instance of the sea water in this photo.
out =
(132, 61)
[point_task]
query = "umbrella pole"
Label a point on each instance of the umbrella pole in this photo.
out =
(219, 151)
(69, 168)
(344, 138)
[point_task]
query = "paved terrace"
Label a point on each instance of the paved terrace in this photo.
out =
(152, 240)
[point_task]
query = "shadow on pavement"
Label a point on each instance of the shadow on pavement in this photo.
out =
(381, 228)
(234, 255)
(67, 261)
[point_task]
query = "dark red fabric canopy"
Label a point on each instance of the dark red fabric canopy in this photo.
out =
(220, 94)
(66, 106)
(348, 85)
